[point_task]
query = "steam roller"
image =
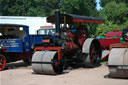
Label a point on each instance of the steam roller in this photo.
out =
(43, 62)
(118, 58)
(68, 46)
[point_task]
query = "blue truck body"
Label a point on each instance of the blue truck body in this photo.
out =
(17, 44)
(21, 45)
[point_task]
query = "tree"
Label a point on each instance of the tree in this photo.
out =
(79, 7)
(105, 2)
(115, 13)
(19, 8)
(46, 7)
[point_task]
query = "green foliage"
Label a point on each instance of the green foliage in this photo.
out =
(79, 7)
(105, 2)
(46, 7)
(115, 13)
(19, 8)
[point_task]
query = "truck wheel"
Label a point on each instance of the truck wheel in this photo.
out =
(27, 61)
(92, 50)
(2, 62)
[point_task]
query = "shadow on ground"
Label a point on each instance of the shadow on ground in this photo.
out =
(15, 65)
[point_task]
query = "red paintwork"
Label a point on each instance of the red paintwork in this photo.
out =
(58, 49)
(2, 62)
(20, 56)
(119, 45)
(114, 33)
(46, 26)
(69, 47)
(46, 41)
(126, 39)
(82, 34)
(105, 43)
(105, 56)
(88, 21)
(72, 36)
(3, 50)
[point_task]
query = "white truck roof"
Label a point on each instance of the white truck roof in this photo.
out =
(34, 23)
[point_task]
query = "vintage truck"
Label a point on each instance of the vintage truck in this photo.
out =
(16, 43)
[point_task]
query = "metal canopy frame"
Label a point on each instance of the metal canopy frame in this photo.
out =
(75, 19)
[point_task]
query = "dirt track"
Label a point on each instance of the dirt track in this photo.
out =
(23, 75)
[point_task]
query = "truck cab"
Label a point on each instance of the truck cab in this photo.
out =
(14, 44)
(14, 38)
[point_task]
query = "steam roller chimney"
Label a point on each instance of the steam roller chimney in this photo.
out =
(57, 18)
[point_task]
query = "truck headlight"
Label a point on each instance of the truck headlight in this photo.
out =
(1, 46)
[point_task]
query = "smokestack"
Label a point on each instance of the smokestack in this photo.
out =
(57, 16)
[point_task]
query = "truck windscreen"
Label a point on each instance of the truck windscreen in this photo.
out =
(46, 31)
(12, 33)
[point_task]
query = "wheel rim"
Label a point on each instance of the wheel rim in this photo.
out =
(94, 54)
(2, 62)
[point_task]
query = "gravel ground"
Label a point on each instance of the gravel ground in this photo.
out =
(22, 74)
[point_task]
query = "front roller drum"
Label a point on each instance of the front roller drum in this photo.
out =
(46, 62)
(2, 62)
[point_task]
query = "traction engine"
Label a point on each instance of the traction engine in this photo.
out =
(69, 45)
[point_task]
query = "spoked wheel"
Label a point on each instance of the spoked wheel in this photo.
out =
(2, 62)
(92, 49)
(45, 62)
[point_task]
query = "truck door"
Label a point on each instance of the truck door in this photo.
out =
(26, 40)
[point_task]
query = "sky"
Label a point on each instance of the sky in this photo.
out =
(98, 4)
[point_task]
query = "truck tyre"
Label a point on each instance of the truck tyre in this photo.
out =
(2, 62)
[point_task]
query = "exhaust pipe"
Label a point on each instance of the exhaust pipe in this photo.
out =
(57, 16)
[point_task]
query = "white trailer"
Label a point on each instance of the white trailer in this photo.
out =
(34, 23)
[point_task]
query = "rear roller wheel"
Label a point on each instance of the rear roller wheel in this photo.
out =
(45, 62)
(2, 62)
(92, 51)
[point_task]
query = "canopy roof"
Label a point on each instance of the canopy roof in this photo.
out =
(75, 19)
